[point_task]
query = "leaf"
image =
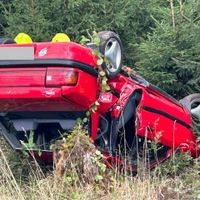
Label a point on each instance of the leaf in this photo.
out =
(103, 167)
(96, 53)
(97, 41)
(107, 88)
(102, 73)
(87, 113)
(98, 177)
(104, 81)
(84, 40)
(96, 103)
(100, 61)
(78, 121)
(85, 120)
(98, 153)
(94, 108)
(107, 61)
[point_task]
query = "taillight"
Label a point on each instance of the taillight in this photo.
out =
(61, 77)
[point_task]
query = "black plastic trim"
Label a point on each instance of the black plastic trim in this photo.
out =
(10, 138)
(50, 61)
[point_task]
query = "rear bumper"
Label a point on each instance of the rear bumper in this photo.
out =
(43, 98)
(35, 99)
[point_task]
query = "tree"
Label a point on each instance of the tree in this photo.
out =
(160, 38)
(4, 6)
(170, 56)
(42, 19)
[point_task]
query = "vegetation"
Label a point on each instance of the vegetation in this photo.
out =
(169, 56)
(79, 176)
(160, 38)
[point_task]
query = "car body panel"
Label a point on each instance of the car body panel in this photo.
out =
(67, 50)
(158, 117)
(26, 87)
(23, 81)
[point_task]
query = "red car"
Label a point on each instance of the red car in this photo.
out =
(57, 82)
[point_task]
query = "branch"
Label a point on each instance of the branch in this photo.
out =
(181, 9)
(188, 61)
(172, 13)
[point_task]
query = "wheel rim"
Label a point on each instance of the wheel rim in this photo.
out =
(195, 112)
(113, 54)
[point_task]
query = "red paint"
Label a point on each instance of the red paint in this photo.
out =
(27, 89)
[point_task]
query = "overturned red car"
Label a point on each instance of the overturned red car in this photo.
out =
(59, 82)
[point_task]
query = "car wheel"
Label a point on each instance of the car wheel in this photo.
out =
(192, 103)
(6, 41)
(111, 47)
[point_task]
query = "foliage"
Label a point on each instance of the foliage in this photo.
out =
(161, 39)
(30, 144)
(78, 161)
(42, 19)
(95, 40)
(177, 165)
(177, 178)
(170, 55)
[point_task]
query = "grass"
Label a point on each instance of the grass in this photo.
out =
(23, 178)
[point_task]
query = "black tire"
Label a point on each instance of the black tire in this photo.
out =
(6, 41)
(111, 41)
(192, 103)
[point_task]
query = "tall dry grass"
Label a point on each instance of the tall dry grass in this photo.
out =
(23, 178)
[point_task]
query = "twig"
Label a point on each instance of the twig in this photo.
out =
(188, 61)
(172, 13)
(181, 9)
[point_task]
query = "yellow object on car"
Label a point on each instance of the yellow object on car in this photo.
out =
(23, 38)
(61, 37)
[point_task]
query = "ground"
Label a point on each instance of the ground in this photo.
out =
(24, 178)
